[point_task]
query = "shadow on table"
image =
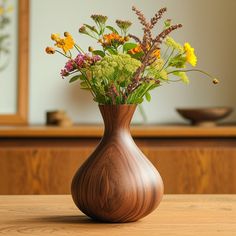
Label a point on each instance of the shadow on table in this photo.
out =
(69, 219)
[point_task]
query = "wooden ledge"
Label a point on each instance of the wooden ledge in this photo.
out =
(138, 131)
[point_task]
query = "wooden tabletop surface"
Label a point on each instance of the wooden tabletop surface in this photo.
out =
(138, 131)
(200, 215)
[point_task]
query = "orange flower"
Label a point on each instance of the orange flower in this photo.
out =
(112, 36)
(108, 39)
(50, 50)
(66, 43)
(135, 50)
(157, 53)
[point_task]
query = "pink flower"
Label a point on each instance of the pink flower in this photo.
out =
(96, 58)
(79, 60)
(64, 72)
(86, 60)
(70, 66)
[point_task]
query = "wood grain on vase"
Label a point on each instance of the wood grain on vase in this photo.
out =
(137, 131)
(117, 183)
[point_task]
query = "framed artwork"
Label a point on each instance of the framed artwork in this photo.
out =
(14, 41)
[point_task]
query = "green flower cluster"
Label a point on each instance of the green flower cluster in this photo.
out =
(115, 67)
(183, 76)
(170, 42)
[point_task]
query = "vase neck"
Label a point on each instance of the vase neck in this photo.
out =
(117, 117)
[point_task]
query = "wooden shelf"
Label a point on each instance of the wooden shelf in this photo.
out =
(138, 131)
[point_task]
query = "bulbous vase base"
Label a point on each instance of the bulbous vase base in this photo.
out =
(117, 183)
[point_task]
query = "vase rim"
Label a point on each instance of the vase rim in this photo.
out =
(117, 105)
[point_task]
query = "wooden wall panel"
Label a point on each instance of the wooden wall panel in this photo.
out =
(195, 170)
(39, 171)
(187, 166)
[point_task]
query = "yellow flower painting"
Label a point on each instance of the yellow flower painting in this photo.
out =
(5, 11)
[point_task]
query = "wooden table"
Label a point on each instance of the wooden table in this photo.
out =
(198, 215)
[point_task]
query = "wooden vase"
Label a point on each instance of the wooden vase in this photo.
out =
(117, 183)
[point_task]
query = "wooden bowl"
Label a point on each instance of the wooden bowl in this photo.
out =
(204, 116)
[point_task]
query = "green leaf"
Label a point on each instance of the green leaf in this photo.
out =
(137, 56)
(129, 46)
(83, 85)
(74, 78)
(167, 23)
(92, 28)
(178, 61)
(153, 86)
(112, 51)
(112, 29)
(139, 100)
(99, 52)
(3, 37)
(123, 84)
(148, 96)
(4, 50)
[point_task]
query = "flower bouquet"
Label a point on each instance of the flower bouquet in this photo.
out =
(117, 183)
(125, 68)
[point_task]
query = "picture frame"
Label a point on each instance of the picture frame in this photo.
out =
(20, 117)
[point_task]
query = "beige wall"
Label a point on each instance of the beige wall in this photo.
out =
(209, 25)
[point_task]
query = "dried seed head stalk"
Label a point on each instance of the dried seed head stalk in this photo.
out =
(135, 38)
(151, 60)
(133, 86)
(149, 45)
(141, 17)
(147, 59)
(148, 80)
(147, 36)
(157, 16)
(113, 93)
(165, 33)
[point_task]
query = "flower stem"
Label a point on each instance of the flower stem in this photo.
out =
(62, 53)
(142, 112)
(89, 84)
(79, 49)
(196, 70)
(167, 49)
(172, 52)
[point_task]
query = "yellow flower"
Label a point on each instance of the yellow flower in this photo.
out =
(5, 10)
(66, 43)
(1, 11)
(55, 37)
(10, 9)
(190, 55)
